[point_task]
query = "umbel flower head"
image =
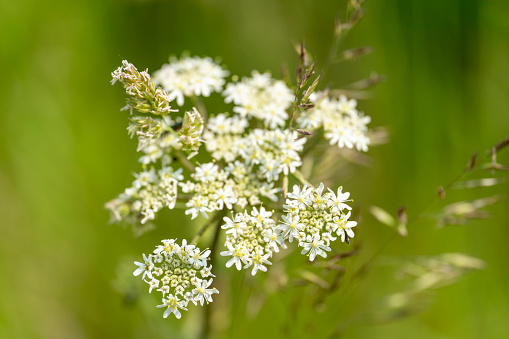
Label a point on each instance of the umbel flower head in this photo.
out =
(344, 126)
(150, 192)
(251, 239)
(313, 217)
(190, 76)
(260, 97)
(180, 273)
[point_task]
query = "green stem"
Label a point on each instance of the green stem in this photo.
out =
(208, 310)
(202, 230)
(299, 176)
(185, 162)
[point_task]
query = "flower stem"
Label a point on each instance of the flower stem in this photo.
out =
(208, 310)
(299, 176)
(185, 162)
(202, 230)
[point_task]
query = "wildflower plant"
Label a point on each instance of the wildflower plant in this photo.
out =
(180, 273)
(253, 152)
(231, 171)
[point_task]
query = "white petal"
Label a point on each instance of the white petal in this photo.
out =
(139, 271)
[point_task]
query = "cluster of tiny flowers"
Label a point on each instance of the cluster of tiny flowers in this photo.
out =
(343, 124)
(251, 239)
(141, 90)
(149, 193)
(262, 97)
(247, 163)
(215, 189)
(180, 273)
(312, 217)
(248, 156)
(190, 77)
(223, 136)
(156, 138)
(266, 152)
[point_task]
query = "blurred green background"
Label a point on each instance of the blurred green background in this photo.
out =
(64, 152)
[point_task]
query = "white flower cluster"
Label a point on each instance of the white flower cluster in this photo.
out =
(312, 218)
(262, 97)
(190, 76)
(247, 162)
(149, 193)
(250, 155)
(342, 123)
(155, 138)
(223, 136)
(269, 152)
(215, 189)
(251, 239)
(180, 273)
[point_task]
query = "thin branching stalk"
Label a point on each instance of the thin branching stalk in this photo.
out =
(214, 219)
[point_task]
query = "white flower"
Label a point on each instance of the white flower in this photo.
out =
(344, 226)
(291, 161)
(302, 197)
(270, 169)
(327, 238)
(347, 106)
(338, 201)
(206, 272)
(273, 239)
(145, 267)
(169, 174)
(197, 205)
(225, 196)
(238, 256)
(234, 227)
(144, 178)
(251, 239)
(206, 172)
(341, 136)
(201, 293)
(313, 246)
(258, 260)
(290, 226)
(269, 191)
(164, 289)
(261, 216)
(148, 214)
(154, 283)
(318, 200)
(199, 258)
(152, 153)
(168, 246)
(189, 77)
(172, 304)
